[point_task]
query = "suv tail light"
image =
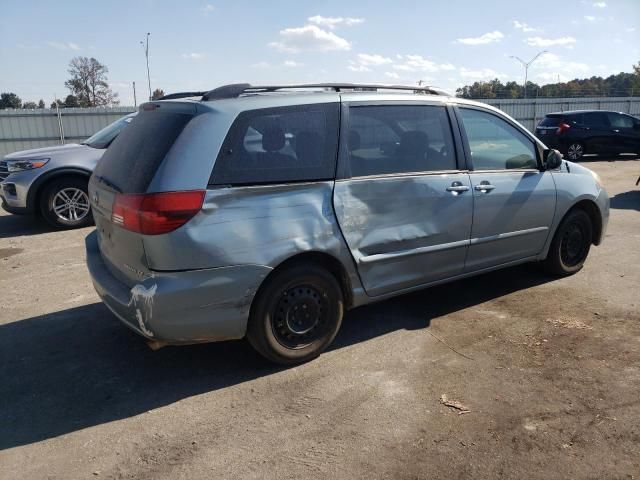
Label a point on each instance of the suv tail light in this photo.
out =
(563, 127)
(156, 213)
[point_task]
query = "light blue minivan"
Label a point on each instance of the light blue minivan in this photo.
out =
(267, 211)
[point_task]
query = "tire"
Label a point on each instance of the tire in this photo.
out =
(64, 203)
(296, 314)
(575, 151)
(570, 246)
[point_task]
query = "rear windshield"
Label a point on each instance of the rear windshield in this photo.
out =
(134, 156)
(550, 122)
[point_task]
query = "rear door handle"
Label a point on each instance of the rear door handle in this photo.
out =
(457, 187)
(484, 187)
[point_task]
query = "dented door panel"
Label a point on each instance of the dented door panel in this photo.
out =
(405, 231)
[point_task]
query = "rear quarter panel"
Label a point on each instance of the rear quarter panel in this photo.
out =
(257, 225)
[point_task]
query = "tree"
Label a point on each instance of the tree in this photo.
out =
(31, 105)
(41, 104)
(57, 103)
(88, 83)
(71, 101)
(157, 94)
(10, 100)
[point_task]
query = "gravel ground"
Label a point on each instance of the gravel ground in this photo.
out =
(548, 369)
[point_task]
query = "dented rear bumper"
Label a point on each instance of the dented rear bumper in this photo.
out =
(180, 307)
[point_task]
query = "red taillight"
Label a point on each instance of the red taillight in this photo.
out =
(156, 213)
(563, 127)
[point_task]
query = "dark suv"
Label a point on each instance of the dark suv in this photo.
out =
(578, 132)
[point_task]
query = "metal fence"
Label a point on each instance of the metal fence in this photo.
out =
(530, 111)
(24, 129)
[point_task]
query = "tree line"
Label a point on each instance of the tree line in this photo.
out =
(620, 85)
(88, 86)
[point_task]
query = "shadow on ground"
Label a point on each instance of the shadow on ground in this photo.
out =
(19, 225)
(626, 201)
(77, 368)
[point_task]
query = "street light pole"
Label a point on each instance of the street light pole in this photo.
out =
(526, 66)
(146, 54)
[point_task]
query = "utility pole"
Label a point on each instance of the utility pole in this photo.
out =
(526, 66)
(135, 100)
(146, 54)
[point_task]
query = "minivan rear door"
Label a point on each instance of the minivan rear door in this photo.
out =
(403, 203)
(127, 167)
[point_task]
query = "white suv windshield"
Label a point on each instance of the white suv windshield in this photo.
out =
(104, 137)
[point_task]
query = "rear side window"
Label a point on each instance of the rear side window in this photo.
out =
(495, 144)
(551, 121)
(132, 159)
(388, 139)
(277, 145)
(596, 119)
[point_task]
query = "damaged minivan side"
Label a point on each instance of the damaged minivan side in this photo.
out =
(266, 212)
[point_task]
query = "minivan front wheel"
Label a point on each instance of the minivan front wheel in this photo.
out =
(575, 151)
(65, 203)
(296, 314)
(570, 245)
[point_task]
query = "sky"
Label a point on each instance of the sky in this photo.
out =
(199, 45)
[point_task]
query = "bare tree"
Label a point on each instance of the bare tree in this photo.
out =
(157, 94)
(88, 83)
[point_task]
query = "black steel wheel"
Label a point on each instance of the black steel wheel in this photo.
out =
(296, 314)
(571, 244)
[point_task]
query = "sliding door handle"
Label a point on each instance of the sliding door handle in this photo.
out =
(484, 187)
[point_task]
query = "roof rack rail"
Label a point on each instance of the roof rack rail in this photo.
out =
(236, 89)
(173, 96)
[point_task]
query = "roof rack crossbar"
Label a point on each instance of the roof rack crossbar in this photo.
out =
(236, 89)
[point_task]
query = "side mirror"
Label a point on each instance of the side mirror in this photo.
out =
(552, 159)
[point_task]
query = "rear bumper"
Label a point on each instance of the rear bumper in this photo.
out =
(180, 307)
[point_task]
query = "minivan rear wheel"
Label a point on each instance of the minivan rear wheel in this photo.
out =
(296, 314)
(575, 151)
(570, 245)
(65, 203)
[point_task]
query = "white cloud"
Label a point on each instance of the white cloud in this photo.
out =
(372, 60)
(333, 22)
(600, 5)
(482, 74)
(261, 65)
(194, 56)
(309, 38)
(417, 63)
(630, 29)
(489, 37)
(548, 42)
(554, 65)
(590, 18)
(355, 67)
(550, 77)
(523, 26)
(207, 9)
(393, 75)
(292, 63)
(64, 45)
